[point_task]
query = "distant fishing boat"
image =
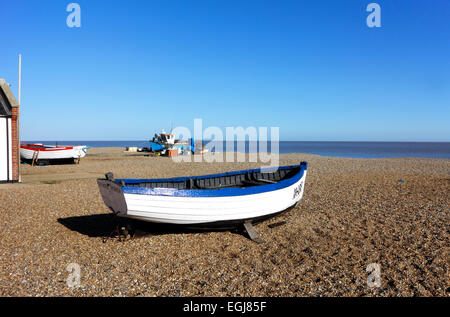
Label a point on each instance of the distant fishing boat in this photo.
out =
(165, 142)
(221, 200)
(30, 151)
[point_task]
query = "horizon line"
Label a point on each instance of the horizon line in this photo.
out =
(141, 140)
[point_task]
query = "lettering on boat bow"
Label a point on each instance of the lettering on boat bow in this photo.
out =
(298, 190)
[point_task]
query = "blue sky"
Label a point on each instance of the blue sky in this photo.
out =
(312, 68)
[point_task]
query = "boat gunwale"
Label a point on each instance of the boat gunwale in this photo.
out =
(213, 192)
(44, 148)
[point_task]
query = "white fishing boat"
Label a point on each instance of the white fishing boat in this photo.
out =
(30, 151)
(221, 200)
(164, 143)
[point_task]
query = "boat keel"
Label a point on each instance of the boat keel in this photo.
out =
(252, 233)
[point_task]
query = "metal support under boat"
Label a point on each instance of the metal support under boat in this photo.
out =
(122, 229)
(252, 233)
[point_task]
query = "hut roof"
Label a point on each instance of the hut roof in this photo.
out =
(7, 99)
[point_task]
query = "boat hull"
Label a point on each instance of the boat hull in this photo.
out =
(192, 210)
(53, 153)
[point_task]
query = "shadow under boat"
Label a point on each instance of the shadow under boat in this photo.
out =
(45, 162)
(103, 225)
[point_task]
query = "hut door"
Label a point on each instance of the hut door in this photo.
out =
(5, 149)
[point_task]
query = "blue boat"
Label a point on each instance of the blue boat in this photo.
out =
(166, 141)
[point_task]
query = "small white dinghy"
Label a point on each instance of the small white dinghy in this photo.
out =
(30, 151)
(225, 200)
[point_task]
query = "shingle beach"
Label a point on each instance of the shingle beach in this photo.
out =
(354, 212)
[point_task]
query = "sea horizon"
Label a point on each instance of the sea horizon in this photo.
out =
(346, 149)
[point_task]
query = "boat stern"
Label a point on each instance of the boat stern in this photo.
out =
(112, 194)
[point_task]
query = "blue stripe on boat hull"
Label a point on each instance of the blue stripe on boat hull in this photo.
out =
(223, 192)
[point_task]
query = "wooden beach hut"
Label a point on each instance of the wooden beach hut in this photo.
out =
(9, 135)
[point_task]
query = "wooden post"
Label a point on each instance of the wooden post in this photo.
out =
(18, 114)
(20, 75)
(35, 157)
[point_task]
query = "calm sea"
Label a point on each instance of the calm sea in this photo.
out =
(338, 149)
